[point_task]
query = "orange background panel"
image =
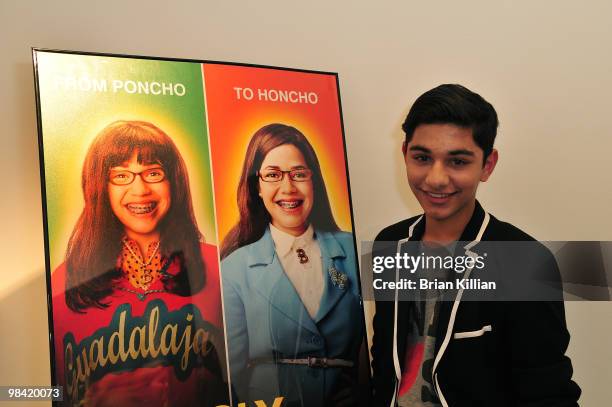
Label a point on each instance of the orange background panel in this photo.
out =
(234, 119)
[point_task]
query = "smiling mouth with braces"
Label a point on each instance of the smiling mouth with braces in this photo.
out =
(140, 209)
(289, 204)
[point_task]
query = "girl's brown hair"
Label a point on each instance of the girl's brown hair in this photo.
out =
(254, 217)
(95, 243)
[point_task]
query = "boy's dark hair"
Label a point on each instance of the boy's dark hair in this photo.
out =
(455, 104)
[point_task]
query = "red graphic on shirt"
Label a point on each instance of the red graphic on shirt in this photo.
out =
(412, 367)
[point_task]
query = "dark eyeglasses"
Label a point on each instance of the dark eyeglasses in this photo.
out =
(297, 175)
(125, 177)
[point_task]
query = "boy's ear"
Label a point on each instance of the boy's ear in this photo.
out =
(489, 165)
(404, 148)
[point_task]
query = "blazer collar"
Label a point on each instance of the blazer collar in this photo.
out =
(262, 252)
(272, 282)
(473, 226)
(330, 247)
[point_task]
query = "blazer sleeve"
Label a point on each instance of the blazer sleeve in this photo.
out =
(537, 339)
(383, 371)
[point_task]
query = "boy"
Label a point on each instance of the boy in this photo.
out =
(467, 353)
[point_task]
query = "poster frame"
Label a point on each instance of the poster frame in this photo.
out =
(43, 176)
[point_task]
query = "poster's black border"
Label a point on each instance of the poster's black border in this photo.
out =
(36, 50)
(43, 198)
(350, 197)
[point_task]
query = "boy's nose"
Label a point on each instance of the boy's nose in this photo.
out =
(437, 177)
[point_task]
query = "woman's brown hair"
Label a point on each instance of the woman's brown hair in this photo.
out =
(254, 217)
(95, 243)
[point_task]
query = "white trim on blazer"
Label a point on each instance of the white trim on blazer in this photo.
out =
(451, 321)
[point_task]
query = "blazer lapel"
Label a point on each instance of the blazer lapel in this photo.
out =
(270, 280)
(331, 251)
(468, 243)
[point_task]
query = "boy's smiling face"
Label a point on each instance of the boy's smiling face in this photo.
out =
(444, 167)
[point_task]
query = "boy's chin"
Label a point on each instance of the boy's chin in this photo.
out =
(445, 213)
(438, 215)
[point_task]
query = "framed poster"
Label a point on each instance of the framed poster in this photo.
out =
(198, 234)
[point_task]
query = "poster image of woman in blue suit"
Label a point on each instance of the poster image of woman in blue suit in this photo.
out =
(293, 314)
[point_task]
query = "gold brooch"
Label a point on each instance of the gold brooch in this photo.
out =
(338, 278)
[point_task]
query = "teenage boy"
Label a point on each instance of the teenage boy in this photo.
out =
(465, 353)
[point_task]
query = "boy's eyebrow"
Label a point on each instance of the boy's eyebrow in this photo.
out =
(461, 152)
(419, 148)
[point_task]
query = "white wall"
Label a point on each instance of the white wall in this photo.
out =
(545, 67)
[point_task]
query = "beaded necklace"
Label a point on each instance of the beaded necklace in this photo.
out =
(141, 272)
(162, 272)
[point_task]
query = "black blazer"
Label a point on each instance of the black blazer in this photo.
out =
(520, 362)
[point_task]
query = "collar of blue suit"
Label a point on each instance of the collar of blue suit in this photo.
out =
(271, 281)
(262, 252)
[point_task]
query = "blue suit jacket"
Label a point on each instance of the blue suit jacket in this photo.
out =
(265, 319)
